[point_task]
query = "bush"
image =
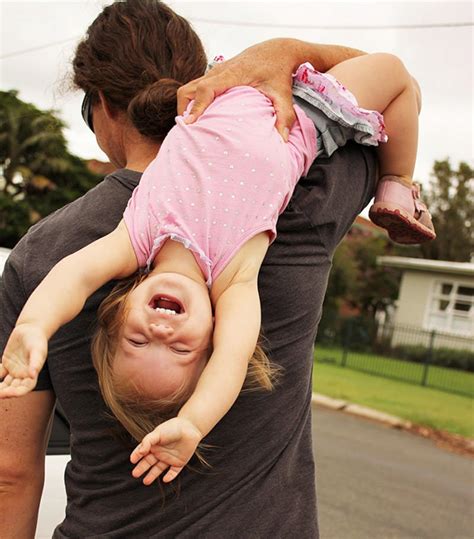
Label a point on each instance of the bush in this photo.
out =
(443, 357)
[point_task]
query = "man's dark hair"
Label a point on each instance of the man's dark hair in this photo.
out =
(138, 53)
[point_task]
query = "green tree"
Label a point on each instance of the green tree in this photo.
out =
(37, 173)
(451, 202)
(358, 284)
(376, 287)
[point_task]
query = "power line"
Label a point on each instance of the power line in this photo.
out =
(334, 27)
(37, 48)
(268, 25)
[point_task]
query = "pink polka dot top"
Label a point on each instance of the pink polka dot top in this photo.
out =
(219, 181)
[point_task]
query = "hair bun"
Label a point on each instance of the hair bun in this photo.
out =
(154, 109)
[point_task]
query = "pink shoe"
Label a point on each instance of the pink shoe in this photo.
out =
(398, 209)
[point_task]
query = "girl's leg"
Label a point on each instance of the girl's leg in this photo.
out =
(381, 82)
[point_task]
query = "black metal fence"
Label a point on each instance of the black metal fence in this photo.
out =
(428, 358)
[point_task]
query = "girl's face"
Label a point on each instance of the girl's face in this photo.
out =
(164, 342)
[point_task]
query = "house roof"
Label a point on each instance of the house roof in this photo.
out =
(367, 225)
(421, 264)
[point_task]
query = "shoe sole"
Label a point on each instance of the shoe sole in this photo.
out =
(400, 225)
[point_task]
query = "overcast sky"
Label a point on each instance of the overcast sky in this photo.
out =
(440, 58)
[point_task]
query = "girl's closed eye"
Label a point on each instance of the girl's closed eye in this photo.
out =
(136, 342)
(180, 350)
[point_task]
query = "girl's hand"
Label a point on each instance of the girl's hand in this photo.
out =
(170, 446)
(268, 67)
(22, 360)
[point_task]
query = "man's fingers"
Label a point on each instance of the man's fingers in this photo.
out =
(204, 97)
(205, 93)
(285, 114)
(172, 473)
(186, 94)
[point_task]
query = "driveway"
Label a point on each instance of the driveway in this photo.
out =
(378, 482)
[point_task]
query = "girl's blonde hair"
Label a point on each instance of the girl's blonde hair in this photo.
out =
(139, 414)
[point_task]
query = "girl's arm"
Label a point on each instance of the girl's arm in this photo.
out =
(236, 332)
(57, 300)
(62, 293)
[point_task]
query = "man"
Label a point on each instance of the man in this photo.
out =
(261, 481)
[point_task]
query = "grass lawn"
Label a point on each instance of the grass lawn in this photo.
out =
(438, 377)
(421, 405)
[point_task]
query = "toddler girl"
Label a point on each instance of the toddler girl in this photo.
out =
(176, 341)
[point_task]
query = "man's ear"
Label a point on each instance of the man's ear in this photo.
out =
(109, 112)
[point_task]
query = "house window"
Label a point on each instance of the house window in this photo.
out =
(452, 308)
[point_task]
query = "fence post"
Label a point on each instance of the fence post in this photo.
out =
(429, 358)
(346, 342)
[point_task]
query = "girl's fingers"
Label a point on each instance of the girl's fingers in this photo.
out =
(172, 473)
(153, 438)
(36, 363)
(9, 391)
(139, 452)
(144, 465)
(154, 473)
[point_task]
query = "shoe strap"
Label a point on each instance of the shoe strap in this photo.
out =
(416, 193)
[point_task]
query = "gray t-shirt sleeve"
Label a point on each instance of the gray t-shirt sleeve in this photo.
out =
(12, 294)
(12, 298)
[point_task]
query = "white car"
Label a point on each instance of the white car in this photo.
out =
(53, 501)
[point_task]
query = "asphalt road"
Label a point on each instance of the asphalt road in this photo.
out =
(373, 482)
(377, 482)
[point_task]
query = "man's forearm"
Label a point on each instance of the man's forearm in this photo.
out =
(24, 432)
(19, 502)
(322, 57)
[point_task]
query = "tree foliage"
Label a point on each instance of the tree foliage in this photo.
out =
(451, 203)
(357, 280)
(37, 173)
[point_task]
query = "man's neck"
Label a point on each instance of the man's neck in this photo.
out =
(139, 153)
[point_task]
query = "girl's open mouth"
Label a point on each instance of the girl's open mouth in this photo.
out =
(166, 304)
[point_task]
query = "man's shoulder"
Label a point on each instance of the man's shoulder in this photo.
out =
(75, 225)
(114, 188)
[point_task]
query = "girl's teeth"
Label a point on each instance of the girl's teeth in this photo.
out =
(167, 311)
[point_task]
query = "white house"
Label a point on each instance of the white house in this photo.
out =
(436, 295)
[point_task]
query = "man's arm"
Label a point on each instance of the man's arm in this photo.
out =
(24, 425)
(267, 66)
(24, 433)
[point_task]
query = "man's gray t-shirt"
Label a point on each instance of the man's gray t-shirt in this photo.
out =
(262, 480)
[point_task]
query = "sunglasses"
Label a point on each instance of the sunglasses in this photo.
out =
(86, 110)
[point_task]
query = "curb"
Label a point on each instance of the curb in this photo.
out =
(361, 411)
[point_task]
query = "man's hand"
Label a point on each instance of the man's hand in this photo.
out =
(268, 67)
(22, 360)
(171, 445)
